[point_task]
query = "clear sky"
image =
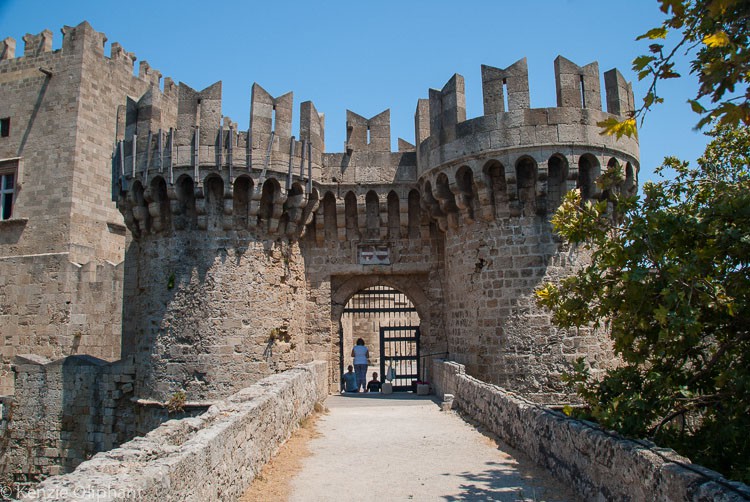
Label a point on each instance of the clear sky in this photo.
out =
(368, 56)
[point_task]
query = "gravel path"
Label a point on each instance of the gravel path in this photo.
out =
(402, 447)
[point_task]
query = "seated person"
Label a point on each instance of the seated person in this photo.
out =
(349, 380)
(374, 384)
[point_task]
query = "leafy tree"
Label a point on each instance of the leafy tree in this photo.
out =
(670, 278)
(715, 34)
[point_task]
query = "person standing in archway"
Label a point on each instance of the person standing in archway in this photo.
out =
(361, 359)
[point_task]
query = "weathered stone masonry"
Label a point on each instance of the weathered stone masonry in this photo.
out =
(597, 464)
(240, 248)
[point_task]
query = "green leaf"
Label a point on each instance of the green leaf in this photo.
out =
(654, 33)
(696, 106)
(641, 62)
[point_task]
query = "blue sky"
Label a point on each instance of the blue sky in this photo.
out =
(370, 56)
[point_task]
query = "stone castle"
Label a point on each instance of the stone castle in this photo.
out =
(151, 247)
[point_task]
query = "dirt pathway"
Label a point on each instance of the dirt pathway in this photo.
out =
(402, 447)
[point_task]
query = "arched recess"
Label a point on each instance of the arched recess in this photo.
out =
(526, 176)
(372, 215)
(467, 189)
(394, 215)
(293, 208)
(495, 174)
(343, 289)
(557, 169)
(588, 173)
(630, 185)
(243, 189)
(160, 204)
(140, 209)
(432, 206)
(444, 194)
(269, 196)
(614, 164)
(415, 215)
(329, 217)
(350, 216)
(214, 190)
(185, 216)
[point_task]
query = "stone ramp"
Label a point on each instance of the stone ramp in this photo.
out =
(402, 447)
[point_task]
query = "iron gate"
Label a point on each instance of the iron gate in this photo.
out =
(399, 353)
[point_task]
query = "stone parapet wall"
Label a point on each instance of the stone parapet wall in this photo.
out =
(598, 464)
(64, 412)
(214, 456)
(53, 308)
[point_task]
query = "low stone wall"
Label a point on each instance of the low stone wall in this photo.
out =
(214, 456)
(598, 464)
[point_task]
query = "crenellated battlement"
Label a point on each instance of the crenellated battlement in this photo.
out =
(37, 50)
(508, 116)
(513, 161)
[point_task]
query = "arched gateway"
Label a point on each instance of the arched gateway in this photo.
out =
(250, 247)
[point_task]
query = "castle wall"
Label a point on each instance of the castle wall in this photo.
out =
(216, 314)
(61, 293)
(493, 325)
(64, 412)
(52, 307)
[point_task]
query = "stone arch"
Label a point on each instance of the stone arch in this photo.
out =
(412, 286)
(342, 290)
(184, 210)
(526, 177)
(494, 173)
(268, 198)
(414, 215)
(588, 173)
(467, 190)
(394, 215)
(330, 227)
(242, 193)
(159, 207)
(372, 215)
(351, 218)
(557, 175)
(214, 193)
